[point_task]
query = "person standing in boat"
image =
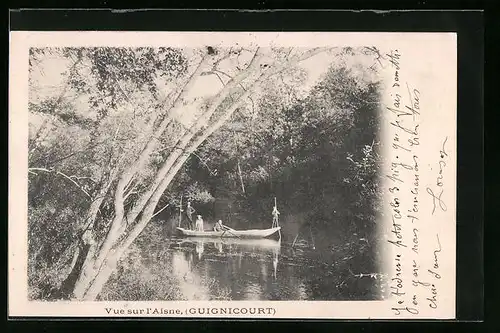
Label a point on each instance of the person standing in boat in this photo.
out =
(276, 214)
(189, 212)
(199, 223)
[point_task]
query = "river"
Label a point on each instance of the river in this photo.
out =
(177, 268)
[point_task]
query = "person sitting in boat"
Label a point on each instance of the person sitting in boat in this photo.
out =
(199, 223)
(218, 226)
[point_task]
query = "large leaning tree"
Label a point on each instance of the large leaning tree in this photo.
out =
(109, 130)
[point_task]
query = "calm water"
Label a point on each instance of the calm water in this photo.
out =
(237, 269)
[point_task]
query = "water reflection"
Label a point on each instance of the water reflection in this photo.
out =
(200, 248)
(190, 284)
(230, 244)
(275, 264)
(232, 268)
(239, 269)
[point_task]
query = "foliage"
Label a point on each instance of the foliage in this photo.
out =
(96, 112)
(318, 156)
(143, 274)
(83, 130)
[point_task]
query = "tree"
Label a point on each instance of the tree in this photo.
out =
(315, 152)
(133, 135)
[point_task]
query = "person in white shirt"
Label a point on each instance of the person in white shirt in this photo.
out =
(199, 223)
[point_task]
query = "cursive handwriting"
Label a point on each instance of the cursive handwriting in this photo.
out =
(436, 252)
(442, 164)
(397, 282)
(397, 311)
(406, 235)
(394, 59)
(397, 287)
(433, 302)
(414, 97)
(436, 200)
(411, 131)
(435, 266)
(442, 152)
(397, 231)
(415, 241)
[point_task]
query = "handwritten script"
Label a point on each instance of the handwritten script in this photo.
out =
(413, 285)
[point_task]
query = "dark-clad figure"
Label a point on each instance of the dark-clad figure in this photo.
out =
(189, 212)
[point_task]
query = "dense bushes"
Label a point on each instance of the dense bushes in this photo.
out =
(319, 157)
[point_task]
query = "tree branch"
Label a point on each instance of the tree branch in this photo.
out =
(216, 63)
(204, 163)
(148, 201)
(76, 152)
(74, 182)
(219, 71)
(129, 193)
(215, 71)
(299, 58)
(220, 79)
(116, 223)
(131, 184)
(161, 210)
(30, 170)
(188, 135)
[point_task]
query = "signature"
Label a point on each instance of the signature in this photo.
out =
(436, 198)
(442, 164)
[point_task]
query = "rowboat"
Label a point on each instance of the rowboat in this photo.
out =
(252, 233)
(244, 243)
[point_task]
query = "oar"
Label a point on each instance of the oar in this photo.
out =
(229, 230)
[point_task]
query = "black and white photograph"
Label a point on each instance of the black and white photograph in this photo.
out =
(225, 169)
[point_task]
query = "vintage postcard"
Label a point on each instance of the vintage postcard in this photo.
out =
(232, 175)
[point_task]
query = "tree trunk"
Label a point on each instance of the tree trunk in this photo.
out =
(159, 189)
(117, 223)
(84, 242)
(101, 276)
(241, 178)
(188, 134)
(86, 273)
(68, 286)
(95, 273)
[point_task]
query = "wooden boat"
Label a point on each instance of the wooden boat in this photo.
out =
(252, 233)
(253, 243)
